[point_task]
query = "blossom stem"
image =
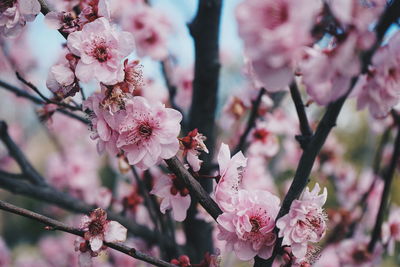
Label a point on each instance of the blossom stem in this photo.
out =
(52, 224)
(388, 178)
(250, 123)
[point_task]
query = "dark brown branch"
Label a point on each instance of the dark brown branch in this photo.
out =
(194, 187)
(52, 224)
(19, 156)
(305, 129)
(21, 93)
(388, 178)
(251, 122)
(205, 32)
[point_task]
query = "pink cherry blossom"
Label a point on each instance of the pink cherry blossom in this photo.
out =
(183, 79)
(61, 79)
(5, 257)
(274, 33)
(98, 230)
(148, 133)
(14, 15)
(94, 9)
(354, 252)
(257, 176)
(100, 48)
(133, 78)
(150, 27)
(174, 196)
(305, 222)
(235, 108)
(191, 145)
(391, 229)
(66, 22)
(379, 88)
(248, 229)
(104, 122)
(263, 141)
(230, 171)
(327, 73)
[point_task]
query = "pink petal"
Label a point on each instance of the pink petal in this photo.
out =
(115, 232)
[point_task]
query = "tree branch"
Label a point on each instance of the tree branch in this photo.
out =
(305, 129)
(21, 93)
(52, 224)
(388, 178)
(40, 190)
(45, 99)
(19, 157)
(251, 122)
(194, 187)
(205, 32)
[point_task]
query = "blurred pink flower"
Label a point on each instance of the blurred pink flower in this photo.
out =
(248, 229)
(354, 253)
(327, 73)
(174, 196)
(391, 230)
(15, 14)
(148, 133)
(379, 89)
(183, 80)
(100, 48)
(274, 33)
(263, 141)
(5, 256)
(305, 222)
(150, 28)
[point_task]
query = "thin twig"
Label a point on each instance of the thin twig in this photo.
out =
(21, 93)
(388, 178)
(52, 224)
(45, 99)
(251, 122)
(171, 87)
